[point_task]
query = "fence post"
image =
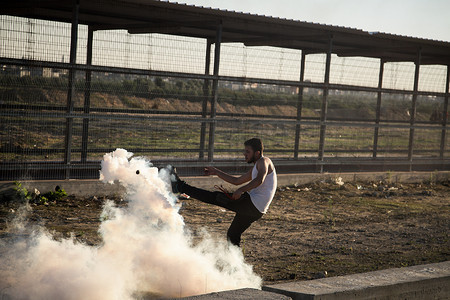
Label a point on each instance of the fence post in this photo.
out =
(323, 113)
(212, 125)
(201, 154)
(71, 88)
(299, 105)
(87, 97)
(445, 115)
(378, 109)
(413, 110)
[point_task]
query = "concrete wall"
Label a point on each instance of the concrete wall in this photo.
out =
(241, 294)
(84, 188)
(431, 281)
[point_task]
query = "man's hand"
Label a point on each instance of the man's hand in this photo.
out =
(237, 194)
(210, 171)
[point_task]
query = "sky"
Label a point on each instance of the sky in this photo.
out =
(428, 19)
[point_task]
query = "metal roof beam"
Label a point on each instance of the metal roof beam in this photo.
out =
(288, 40)
(178, 30)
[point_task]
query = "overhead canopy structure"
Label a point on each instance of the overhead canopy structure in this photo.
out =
(146, 16)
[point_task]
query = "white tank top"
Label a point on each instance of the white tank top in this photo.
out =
(262, 195)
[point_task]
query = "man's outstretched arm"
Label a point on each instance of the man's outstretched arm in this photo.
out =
(229, 178)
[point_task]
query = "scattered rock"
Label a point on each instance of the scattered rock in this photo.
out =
(427, 193)
(339, 181)
(319, 275)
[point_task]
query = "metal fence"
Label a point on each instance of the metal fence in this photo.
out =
(151, 94)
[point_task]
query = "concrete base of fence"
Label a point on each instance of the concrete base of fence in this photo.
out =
(84, 188)
(430, 281)
(306, 178)
(81, 188)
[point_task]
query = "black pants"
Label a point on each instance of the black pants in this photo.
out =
(246, 212)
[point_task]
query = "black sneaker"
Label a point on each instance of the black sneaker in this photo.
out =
(175, 181)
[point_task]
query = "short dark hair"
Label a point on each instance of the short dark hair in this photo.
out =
(256, 144)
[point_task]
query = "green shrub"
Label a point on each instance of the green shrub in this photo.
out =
(56, 195)
(23, 194)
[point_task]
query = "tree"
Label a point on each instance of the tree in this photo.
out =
(160, 82)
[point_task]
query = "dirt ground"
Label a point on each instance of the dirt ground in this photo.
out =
(317, 230)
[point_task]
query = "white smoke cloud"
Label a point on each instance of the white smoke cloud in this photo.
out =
(146, 249)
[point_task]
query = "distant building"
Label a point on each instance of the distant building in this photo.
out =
(10, 70)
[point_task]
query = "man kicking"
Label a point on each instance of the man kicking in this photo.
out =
(251, 201)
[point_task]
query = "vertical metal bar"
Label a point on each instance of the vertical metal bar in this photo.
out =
(445, 115)
(87, 97)
(299, 106)
(71, 88)
(201, 154)
(413, 109)
(323, 114)
(378, 109)
(212, 125)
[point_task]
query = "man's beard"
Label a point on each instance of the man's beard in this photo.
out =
(252, 160)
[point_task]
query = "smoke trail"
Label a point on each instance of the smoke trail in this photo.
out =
(146, 248)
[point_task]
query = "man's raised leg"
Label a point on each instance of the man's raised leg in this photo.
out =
(238, 226)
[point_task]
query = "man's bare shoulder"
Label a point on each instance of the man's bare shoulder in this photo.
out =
(267, 162)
